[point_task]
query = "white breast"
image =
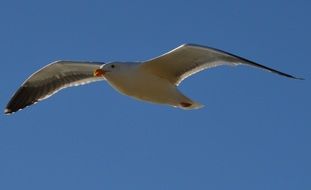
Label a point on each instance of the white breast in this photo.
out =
(142, 85)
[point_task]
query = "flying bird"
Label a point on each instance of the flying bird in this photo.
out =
(155, 80)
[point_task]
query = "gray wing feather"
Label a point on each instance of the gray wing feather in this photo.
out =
(49, 80)
(189, 59)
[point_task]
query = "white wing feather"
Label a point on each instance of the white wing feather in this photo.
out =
(51, 79)
(188, 59)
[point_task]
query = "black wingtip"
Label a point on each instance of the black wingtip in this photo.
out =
(8, 111)
(299, 78)
(287, 75)
(246, 61)
(271, 70)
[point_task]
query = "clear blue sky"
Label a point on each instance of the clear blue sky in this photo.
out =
(254, 132)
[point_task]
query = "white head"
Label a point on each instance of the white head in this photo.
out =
(113, 68)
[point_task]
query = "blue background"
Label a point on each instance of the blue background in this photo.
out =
(254, 132)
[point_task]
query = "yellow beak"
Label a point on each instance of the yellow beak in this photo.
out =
(99, 73)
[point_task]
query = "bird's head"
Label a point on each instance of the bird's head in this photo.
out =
(107, 68)
(113, 68)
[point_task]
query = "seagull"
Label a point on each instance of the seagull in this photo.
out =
(155, 80)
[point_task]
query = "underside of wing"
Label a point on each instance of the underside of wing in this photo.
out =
(49, 80)
(189, 59)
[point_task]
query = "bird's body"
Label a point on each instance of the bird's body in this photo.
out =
(154, 80)
(146, 86)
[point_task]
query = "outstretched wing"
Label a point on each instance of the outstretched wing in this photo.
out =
(49, 80)
(189, 59)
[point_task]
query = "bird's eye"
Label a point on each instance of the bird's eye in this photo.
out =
(112, 66)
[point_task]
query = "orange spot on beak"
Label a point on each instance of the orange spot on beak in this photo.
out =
(99, 73)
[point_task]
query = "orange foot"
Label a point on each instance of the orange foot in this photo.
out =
(185, 104)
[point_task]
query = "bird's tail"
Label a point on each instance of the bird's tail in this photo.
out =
(190, 105)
